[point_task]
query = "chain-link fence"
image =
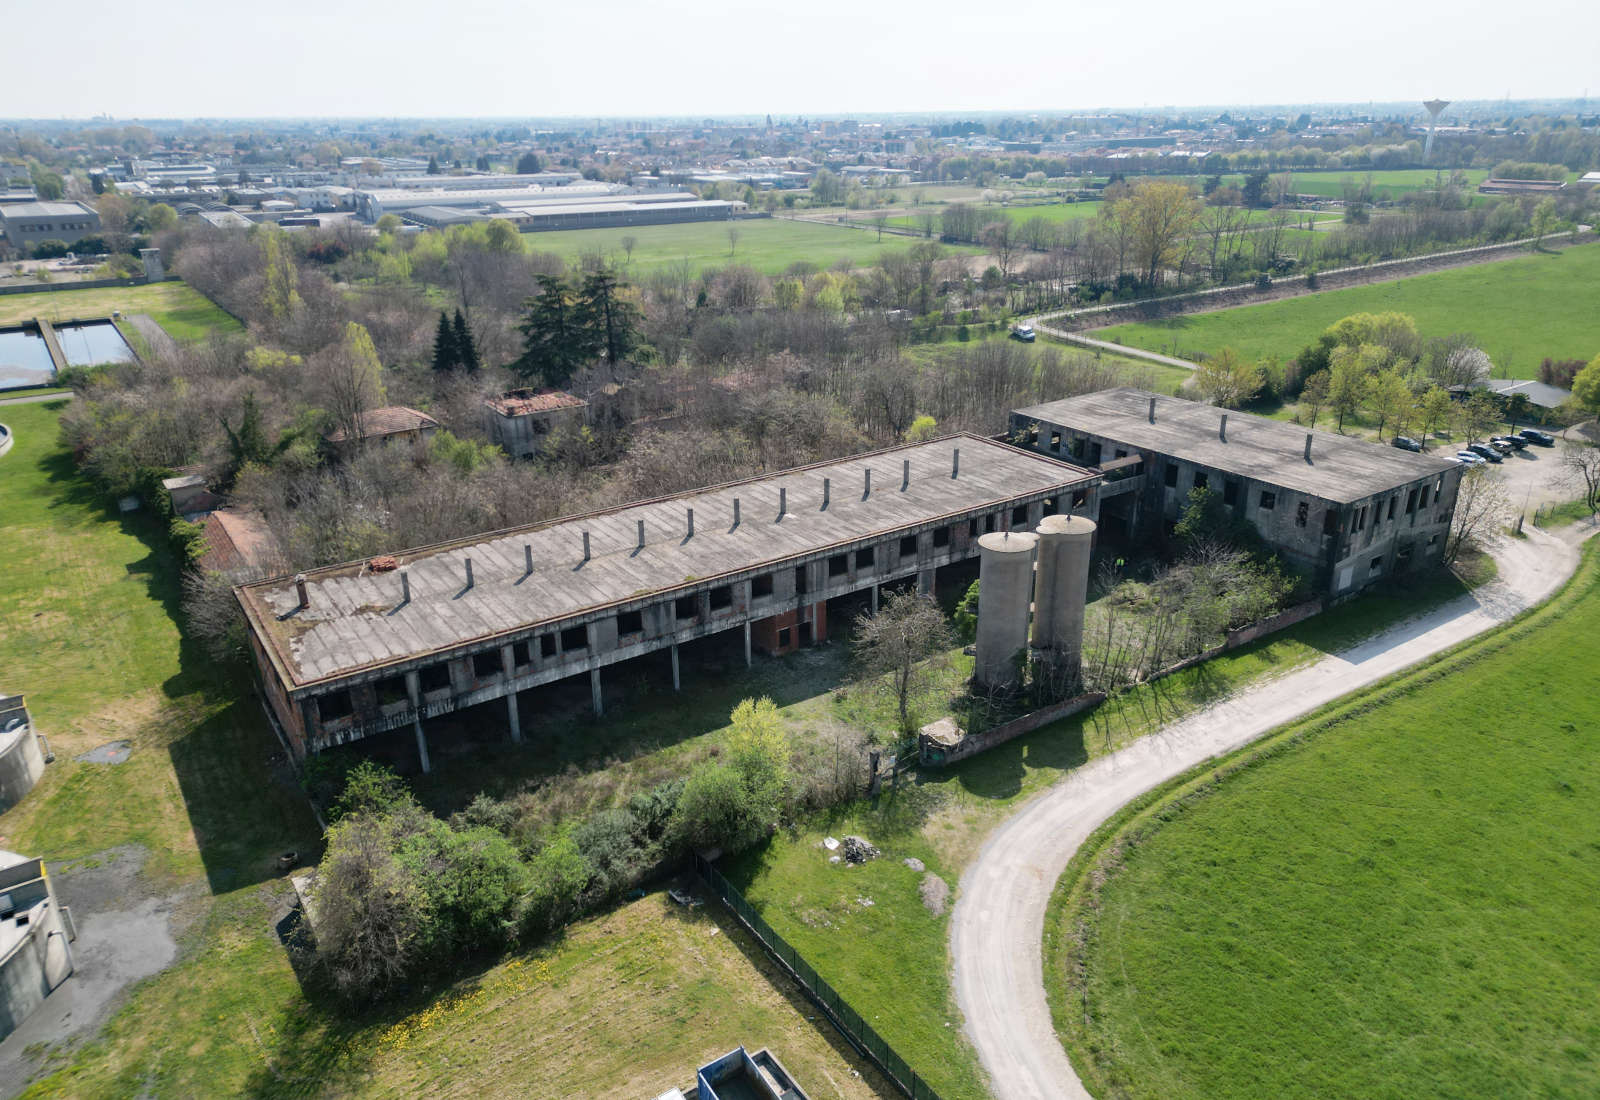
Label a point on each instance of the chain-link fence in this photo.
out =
(849, 1022)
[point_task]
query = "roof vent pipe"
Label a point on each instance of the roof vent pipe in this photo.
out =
(469, 572)
(1222, 429)
(905, 475)
(1152, 410)
(736, 511)
(527, 558)
(866, 484)
(827, 485)
(1308, 446)
(641, 535)
(783, 503)
(689, 528)
(586, 546)
(955, 463)
(300, 590)
(405, 585)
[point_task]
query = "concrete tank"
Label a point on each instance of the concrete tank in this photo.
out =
(1005, 588)
(1063, 586)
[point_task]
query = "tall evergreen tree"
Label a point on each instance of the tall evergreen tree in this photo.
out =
(466, 346)
(610, 321)
(446, 355)
(555, 342)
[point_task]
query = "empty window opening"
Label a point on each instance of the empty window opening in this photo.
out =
(908, 546)
(1171, 476)
(988, 524)
(335, 704)
(1330, 522)
(783, 638)
(722, 597)
(630, 622)
(1269, 501)
(838, 565)
(1199, 479)
(1055, 441)
(1377, 564)
(391, 690)
(1411, 501)
(521, 654)
(685, 608)
(1394, 502)
(761, 586)
(1230, 493)
(1122, 453)
(1424, 501)
(434, 677)
(547, 646)
(941, 538)
(1019, 516)
(866, 557)
(802, 583)
(574, 639)
(1302, 512)
(486, 664)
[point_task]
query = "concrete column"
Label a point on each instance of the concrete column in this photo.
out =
(414, 690)
(1005, 578)
(515, 718)
(1063, 585)
(594, 693)
(747, 643)
(925, 582)
(676, 684)
(874, 599)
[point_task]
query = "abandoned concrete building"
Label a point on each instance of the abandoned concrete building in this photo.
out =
(519, 422)
(1345, 511)
(351, 651)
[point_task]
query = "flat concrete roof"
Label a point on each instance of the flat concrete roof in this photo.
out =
(1341, 469)
(44, 210)
(356, 620)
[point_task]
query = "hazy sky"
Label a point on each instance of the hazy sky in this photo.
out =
(636, 58)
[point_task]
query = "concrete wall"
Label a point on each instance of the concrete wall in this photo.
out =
(937, 755)
(21, 763)
(38, 959)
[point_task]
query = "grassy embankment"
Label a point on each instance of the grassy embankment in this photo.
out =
(183, 313)
(1519, 310)
(88, 605)
(1393, 898)
(890, 958)
(770, 245)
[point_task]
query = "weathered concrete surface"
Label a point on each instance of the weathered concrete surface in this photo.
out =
(997, 927)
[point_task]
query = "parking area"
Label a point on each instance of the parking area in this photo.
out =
(1533, 477)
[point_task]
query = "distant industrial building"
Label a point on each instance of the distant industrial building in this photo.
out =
(352, 651)
(533, 209)
(1345, 511)
(28, 223)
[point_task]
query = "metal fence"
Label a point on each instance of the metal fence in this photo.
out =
(849, 1022)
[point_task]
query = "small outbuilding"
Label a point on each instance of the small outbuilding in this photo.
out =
(391, 424)
(520, 420)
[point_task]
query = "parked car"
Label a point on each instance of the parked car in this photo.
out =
(1515, 442)
(1483, 450)
(1406, 443)
(1023, 333)
(1467, 458)
(1534, 435)
(1501, 446)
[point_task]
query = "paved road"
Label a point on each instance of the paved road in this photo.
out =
(1105, 345)
(997, 926)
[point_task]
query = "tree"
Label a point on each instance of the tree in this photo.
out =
(1386, 397)
(733, 805)
(1479, 415)
(433, 165)
(733, 239)
(553, 342)
(501, 236)
(466, 348)
(1481, 508)
(160, 218)
(445, 356)
(1580, 468)
(1586, 387)
(1160, 215)
(529, 164)
(354, 380)
(281, 295)
(1544, 215)
(371, 911)
(898, 650)
(46, 184)
(629, 243)
(1314, 394)
(1347, 384)
(1434, 410)
(1226, 379)
(608, 318)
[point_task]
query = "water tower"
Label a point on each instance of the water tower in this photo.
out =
(1433, 106)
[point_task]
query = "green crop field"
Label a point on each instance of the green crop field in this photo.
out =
(1394, 899)
(1519, 310)
(770, 245)
(184, 313)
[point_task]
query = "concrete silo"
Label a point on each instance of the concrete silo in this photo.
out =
(1062, 589)
(1005, 587)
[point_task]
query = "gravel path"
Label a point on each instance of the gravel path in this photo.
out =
(998, 923)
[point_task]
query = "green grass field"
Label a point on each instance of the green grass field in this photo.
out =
(890, 959)
(1519, 310)
(184, 313)
(1392, 899)
(770, 245)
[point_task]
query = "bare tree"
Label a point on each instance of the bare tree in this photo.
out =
(1481, 508)
(898, 650)
(353, 380)
(1580, 469)
(629, 243)
(733, 239)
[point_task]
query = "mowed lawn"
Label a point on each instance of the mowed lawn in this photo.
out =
(184, 313)
(1519, 311)
(770, 245)
(1400, 904)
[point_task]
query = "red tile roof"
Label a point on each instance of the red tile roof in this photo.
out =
(522, 402)
(392, 420)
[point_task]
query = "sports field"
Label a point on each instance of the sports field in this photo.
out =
(1518, 310)
(770, 245)
(1398, 901)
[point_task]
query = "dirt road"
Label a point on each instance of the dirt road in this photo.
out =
(998, 923)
